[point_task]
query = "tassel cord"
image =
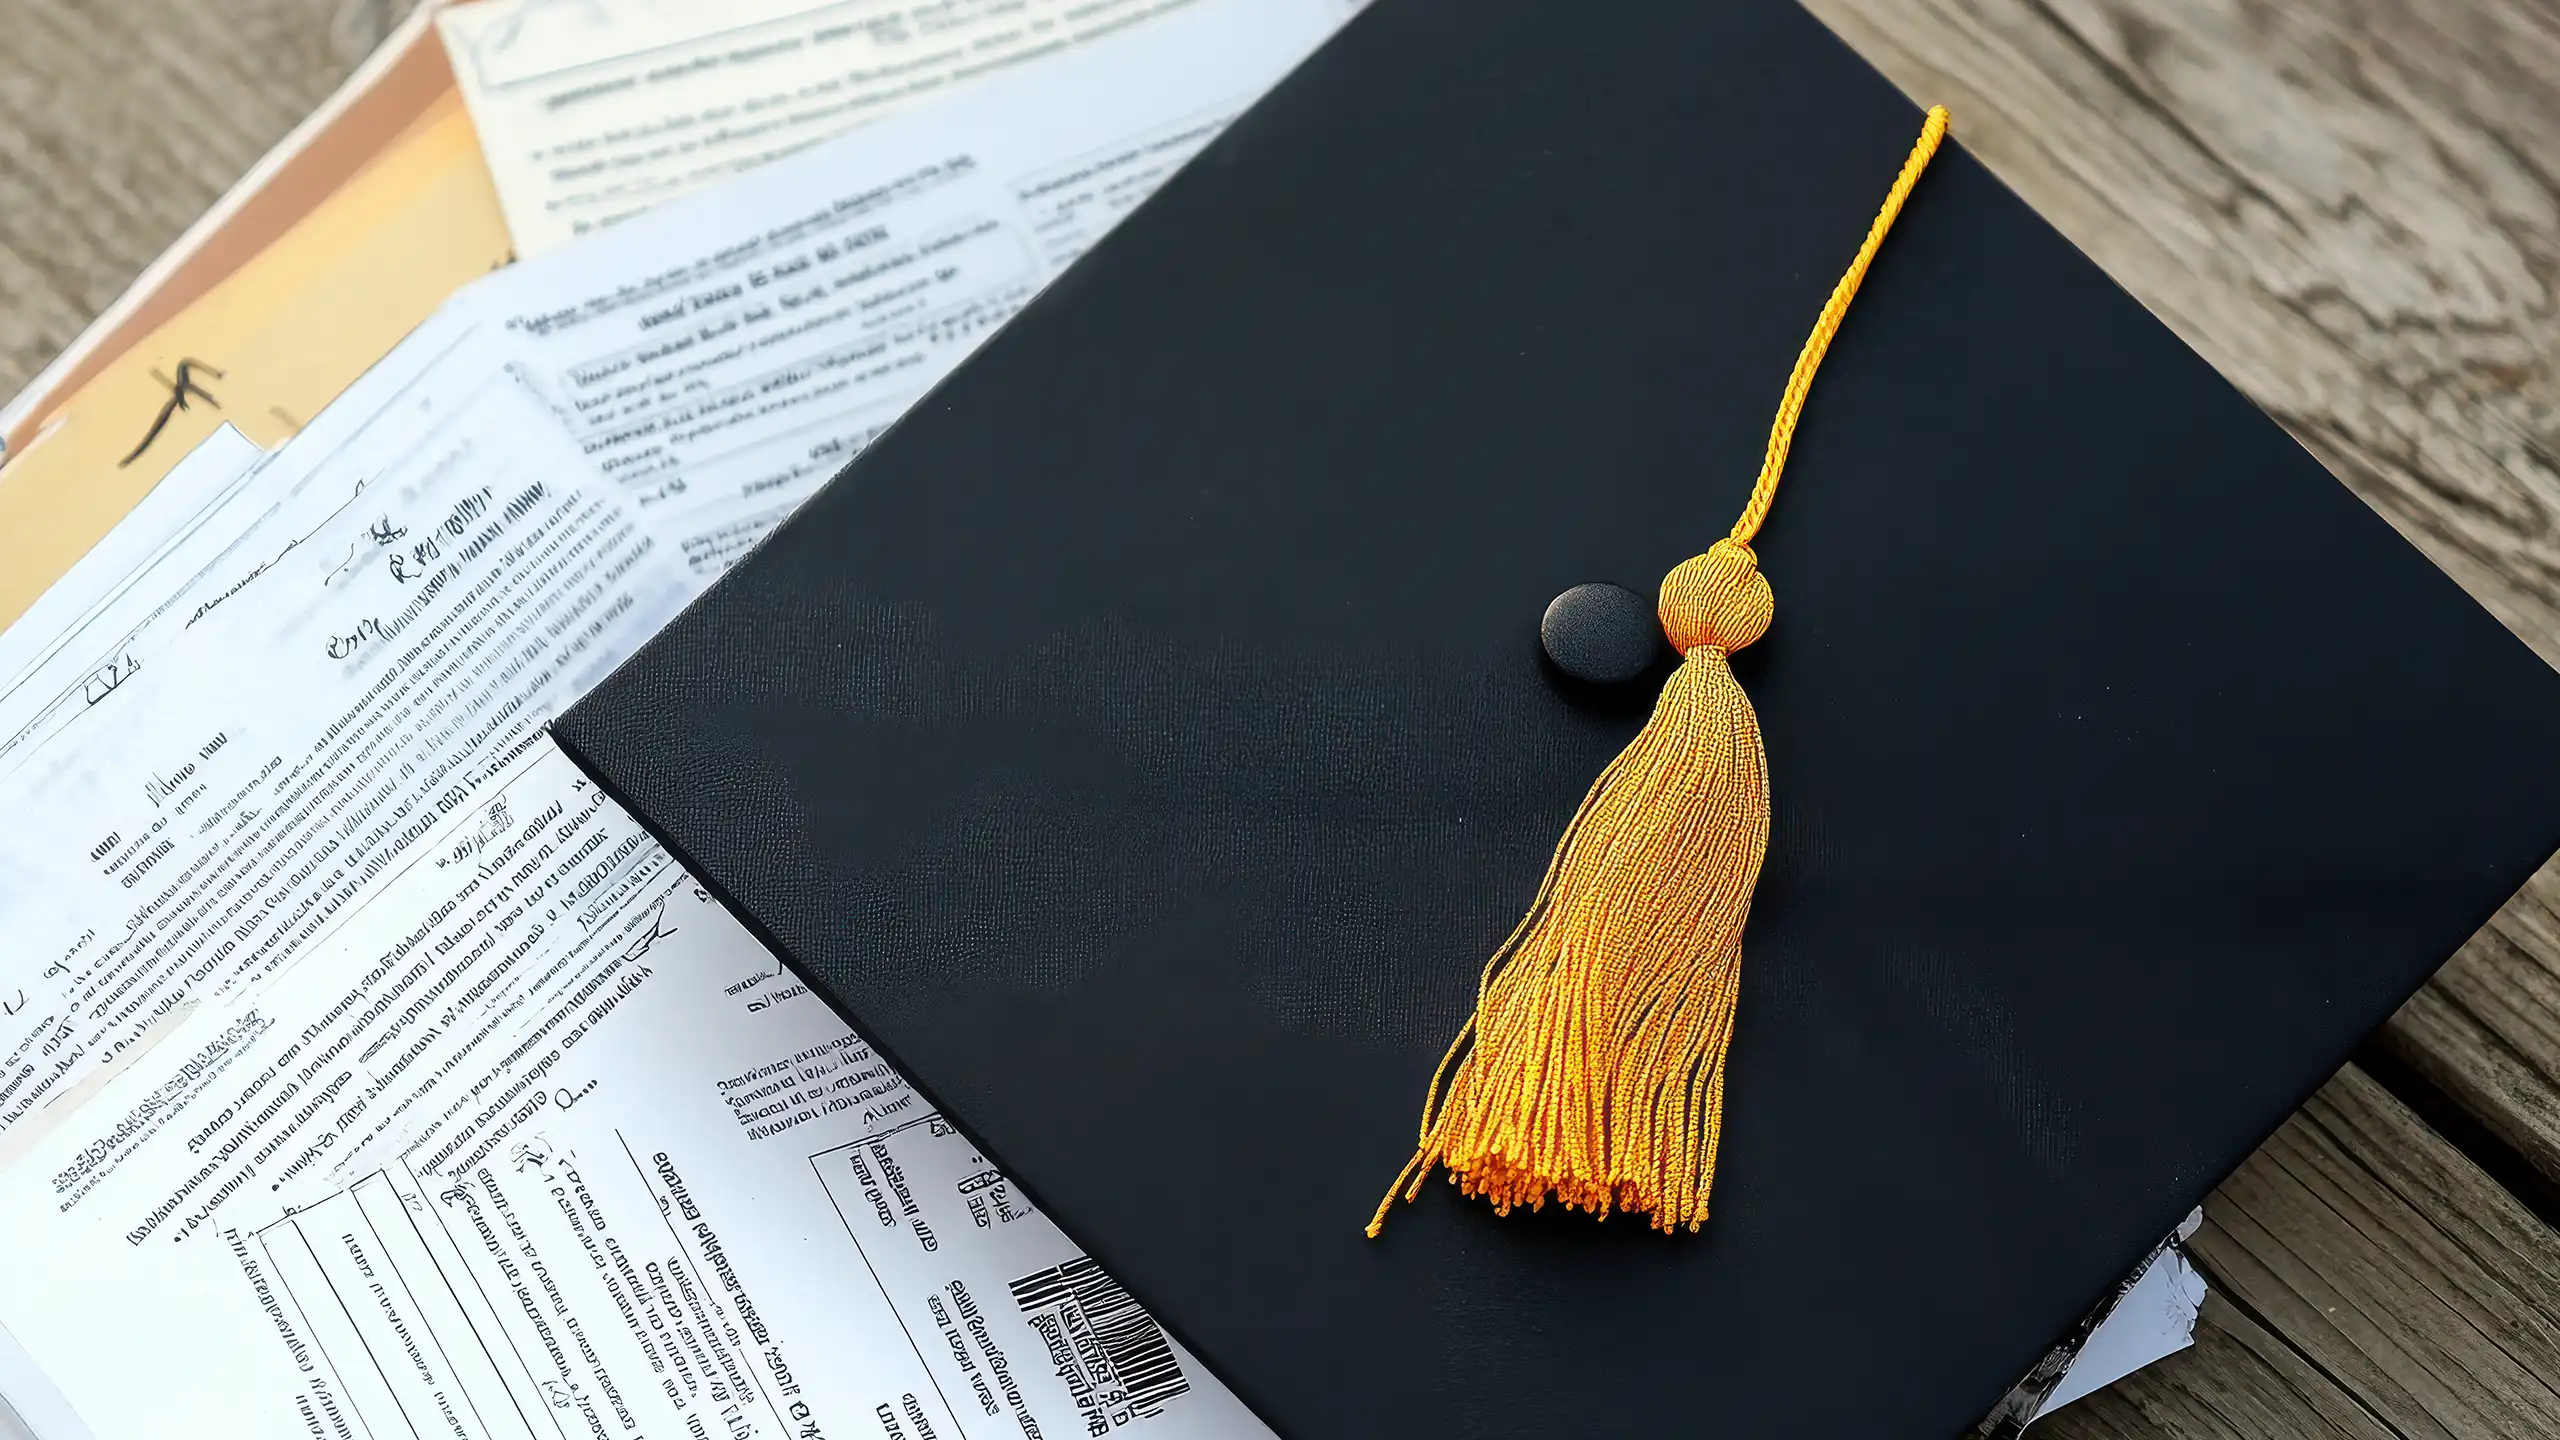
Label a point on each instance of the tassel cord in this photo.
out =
(1782, 433)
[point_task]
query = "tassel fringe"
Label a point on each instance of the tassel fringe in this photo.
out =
(1592, 1072)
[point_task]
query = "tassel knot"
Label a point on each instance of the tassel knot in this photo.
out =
(1719, 599)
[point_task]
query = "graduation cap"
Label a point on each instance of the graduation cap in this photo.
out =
(1149, 739)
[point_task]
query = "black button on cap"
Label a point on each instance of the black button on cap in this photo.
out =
(1601, 634)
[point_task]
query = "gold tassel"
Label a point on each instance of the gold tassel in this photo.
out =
(1592, 1071)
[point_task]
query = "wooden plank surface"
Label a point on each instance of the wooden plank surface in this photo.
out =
(2349, 206)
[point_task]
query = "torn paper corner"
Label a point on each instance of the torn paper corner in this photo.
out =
(2151, 1316)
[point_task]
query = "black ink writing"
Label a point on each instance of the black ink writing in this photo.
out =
(180, 389)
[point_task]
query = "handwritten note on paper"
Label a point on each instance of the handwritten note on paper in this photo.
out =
(543, 1143)
(334, 692)
(593, 112)
(222, 549)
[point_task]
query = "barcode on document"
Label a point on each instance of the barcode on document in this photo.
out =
(1131, 1343)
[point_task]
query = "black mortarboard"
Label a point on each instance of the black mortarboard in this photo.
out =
(1147, 741)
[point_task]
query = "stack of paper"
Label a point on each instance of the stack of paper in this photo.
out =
(413, 1084)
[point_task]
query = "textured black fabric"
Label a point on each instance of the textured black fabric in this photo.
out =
(1146, 741)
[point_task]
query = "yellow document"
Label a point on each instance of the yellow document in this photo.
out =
(264, 350)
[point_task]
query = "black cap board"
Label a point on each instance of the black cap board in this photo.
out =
(1148, 739)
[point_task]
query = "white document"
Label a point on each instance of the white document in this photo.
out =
(170, 510)
(590, 113)
(301, 726)
(723, 356)
(541, 1143)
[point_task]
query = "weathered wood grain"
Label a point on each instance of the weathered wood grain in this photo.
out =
(2396, 1266)
(121, 121)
